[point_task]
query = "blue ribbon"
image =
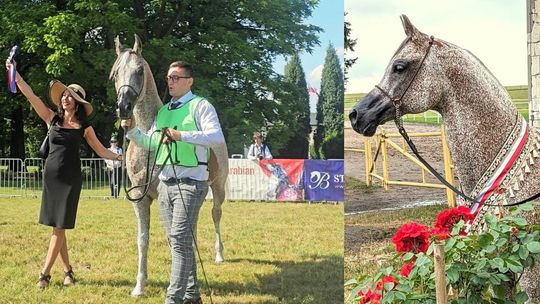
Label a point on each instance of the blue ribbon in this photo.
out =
(12, 86)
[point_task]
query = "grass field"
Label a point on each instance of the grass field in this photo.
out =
(275, 253)
(519, 95)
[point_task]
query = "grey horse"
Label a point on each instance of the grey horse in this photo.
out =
(431, 74)
(138, 99)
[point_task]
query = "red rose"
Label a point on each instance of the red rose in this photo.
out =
(448, 218)
(386, 279)
(406, 269)
(369, 297)
(411, 237)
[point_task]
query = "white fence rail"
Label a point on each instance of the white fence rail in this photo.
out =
(25, 177)
(268, 180)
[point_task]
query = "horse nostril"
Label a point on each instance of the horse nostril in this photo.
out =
(352, 116)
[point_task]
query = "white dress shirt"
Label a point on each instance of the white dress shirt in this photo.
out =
(256, 150)
(210, 135)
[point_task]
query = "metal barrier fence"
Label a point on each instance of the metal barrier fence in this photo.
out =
(25, 177)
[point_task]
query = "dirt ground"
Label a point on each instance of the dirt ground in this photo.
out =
(363, 199)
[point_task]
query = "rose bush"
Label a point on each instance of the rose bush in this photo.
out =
(478, 267)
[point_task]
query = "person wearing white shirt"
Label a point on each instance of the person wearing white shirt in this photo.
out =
(114, 167)
(192, 127)
(258, 150)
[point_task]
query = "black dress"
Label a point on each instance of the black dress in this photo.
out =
(62, 178)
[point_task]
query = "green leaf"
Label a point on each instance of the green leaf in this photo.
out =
(484, 240)
(452, 275)
(497, 263)
(521, 297)
(523, 252)
(351, 282)
(388, 270)
(449, 244)
(408, 256)
(401, 296)
(534, 247)
(515, 266)
(520, 221)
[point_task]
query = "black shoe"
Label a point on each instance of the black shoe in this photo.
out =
(69, 279)
(44, 281)
(193, 301)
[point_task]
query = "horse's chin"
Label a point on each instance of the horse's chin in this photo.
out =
(368, 128)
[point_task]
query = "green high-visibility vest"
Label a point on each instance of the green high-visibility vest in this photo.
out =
(181, 119)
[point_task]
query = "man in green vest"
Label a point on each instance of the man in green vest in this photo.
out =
(192, 127)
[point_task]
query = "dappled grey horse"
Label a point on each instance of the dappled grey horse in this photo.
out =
(138, 99)
(483, 126)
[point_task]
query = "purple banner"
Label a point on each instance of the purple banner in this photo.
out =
(324, 180)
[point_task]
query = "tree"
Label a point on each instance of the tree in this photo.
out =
(231, 43)
(349, 46)
(329, 134)
(298, 105)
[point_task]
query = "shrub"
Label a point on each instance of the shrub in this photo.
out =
(480, 268)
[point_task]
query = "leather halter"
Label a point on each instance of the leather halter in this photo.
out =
(397, 101)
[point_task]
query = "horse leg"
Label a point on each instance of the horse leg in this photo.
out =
(218, 192)
(142, 211)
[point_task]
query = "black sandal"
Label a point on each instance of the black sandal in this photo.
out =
(69, 279)
(44, 280)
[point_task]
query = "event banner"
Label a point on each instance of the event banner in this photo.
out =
(324, 180)
(274, 180)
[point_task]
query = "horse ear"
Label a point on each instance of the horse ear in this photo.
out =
(410, 30)
(118, 46)
(137, 46)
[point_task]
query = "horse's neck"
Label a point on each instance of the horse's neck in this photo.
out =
(478, 117)
(146, 109)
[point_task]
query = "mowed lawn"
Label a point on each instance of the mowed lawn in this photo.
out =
(275, 253)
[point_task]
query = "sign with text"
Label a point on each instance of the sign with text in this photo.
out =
(324, 180)
(266, 180)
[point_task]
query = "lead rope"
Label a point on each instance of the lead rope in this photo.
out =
(147, 184)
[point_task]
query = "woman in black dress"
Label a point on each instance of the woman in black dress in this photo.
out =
(62, 174)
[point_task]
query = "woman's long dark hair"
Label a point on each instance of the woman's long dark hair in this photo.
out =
(80, 113)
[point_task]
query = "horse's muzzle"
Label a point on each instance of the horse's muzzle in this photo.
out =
(370, 112)
(124, 110)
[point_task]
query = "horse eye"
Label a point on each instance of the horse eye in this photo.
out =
(400, 66)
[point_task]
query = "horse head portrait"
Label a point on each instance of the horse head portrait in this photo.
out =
(480, 121)
(128, 74)
(137, 99)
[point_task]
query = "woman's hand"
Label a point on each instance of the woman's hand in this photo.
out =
(9, 64)
(127, 124)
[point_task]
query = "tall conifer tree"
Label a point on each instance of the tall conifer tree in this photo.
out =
(298, 144)
(329, 134)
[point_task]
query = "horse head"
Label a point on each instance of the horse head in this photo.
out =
(128, 76)
(411, 83)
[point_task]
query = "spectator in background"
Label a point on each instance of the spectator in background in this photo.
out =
(258, 150)
(114, 167)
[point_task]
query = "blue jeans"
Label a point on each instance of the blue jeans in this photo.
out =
(179, 211)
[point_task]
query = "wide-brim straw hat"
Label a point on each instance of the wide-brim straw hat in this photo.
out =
(56, 90)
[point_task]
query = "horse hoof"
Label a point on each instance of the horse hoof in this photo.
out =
(137, 293)
(219, 259)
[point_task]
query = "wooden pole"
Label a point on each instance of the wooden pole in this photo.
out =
(368, 159)
(384, 154)
(440, 279)
(448, 172)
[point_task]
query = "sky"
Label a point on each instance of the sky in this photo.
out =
(328, 15)
(493, 30)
